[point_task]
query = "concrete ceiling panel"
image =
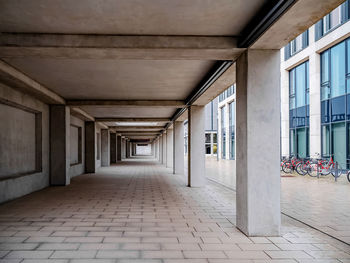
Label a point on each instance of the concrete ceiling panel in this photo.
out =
(128, 17)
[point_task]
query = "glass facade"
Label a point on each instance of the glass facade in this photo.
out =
(296, 45)
(334, 19)
(227, 93)
(223, 133)
(335, 102)
(232, 121)
(299, 111)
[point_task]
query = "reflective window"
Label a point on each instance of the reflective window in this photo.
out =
(337, 70)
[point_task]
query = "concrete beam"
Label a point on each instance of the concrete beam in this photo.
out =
(138, 132)
(125, 128)
(292, 23)
(133, 119)
(16, 79)
(118, 47)
(128, 103)
(77, 112)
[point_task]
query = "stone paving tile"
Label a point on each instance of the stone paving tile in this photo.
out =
(141, 213)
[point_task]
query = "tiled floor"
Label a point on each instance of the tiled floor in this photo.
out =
(140, 212)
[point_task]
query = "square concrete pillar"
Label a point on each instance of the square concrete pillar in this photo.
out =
(258, 143)
(123, 148)
(196, 146)
(127, 149)
(119, 148)
(105, 146)
(113, 147)
(160, 157)
(169, 148)
(90, 147)
(164, 148)
(59, 145)
(179, 151)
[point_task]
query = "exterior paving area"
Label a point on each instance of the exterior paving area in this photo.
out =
(141, 212)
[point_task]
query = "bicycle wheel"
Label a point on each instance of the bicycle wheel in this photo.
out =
(348, 176)
(312, 170)
(300, 169)
(334, 172)
(287, 167)
(326, 170)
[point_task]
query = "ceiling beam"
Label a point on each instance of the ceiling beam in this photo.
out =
(118, 47)
(137, 132)
(128, 103)
(121, 127)
(16, 79)
(215, 72)
(81, 114)
(111, 119)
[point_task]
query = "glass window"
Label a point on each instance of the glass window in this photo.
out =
(338, 109)
(300, 84)
(292, 143)
(339, 143)
(325, 140)
(207, 149)
(325, 67)
(348, 56)
(325, 111)
(338, 70)
(207, 138)
(302, 143)
(335, 17)
(215, 138)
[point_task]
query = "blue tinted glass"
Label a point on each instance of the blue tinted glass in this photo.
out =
(325, 111)
(338, 108)
(307, 83)
(292, 121)
(325, 67)
(338, 70)
(348, 57)
(300, 85)
(348, 108)
(301, 115)
(307, 116)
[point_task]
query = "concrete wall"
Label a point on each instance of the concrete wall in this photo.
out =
(77, 166)
(24, 183)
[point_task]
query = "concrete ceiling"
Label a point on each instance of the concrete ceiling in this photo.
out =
(128, 112)
(128, 17)
(137, 50)
(115, 79)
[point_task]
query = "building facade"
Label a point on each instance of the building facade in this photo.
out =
(315, 90)
(226, 124)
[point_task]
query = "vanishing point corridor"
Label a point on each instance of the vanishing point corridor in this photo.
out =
(138, 211)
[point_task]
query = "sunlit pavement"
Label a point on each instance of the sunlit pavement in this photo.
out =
(321, 203)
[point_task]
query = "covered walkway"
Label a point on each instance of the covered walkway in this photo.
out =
(138, 211)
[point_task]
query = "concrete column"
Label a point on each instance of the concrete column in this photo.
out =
(160, 159)
(123, 148)
(196, 146)
(164, 148)
(105, 146)
(315, 105)
(169, 148)
(113, 147)
(284, 112)
(127, 149)
(90, 147)
(179, 151)
(119, 148)
(258, 143)
(59, 145)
